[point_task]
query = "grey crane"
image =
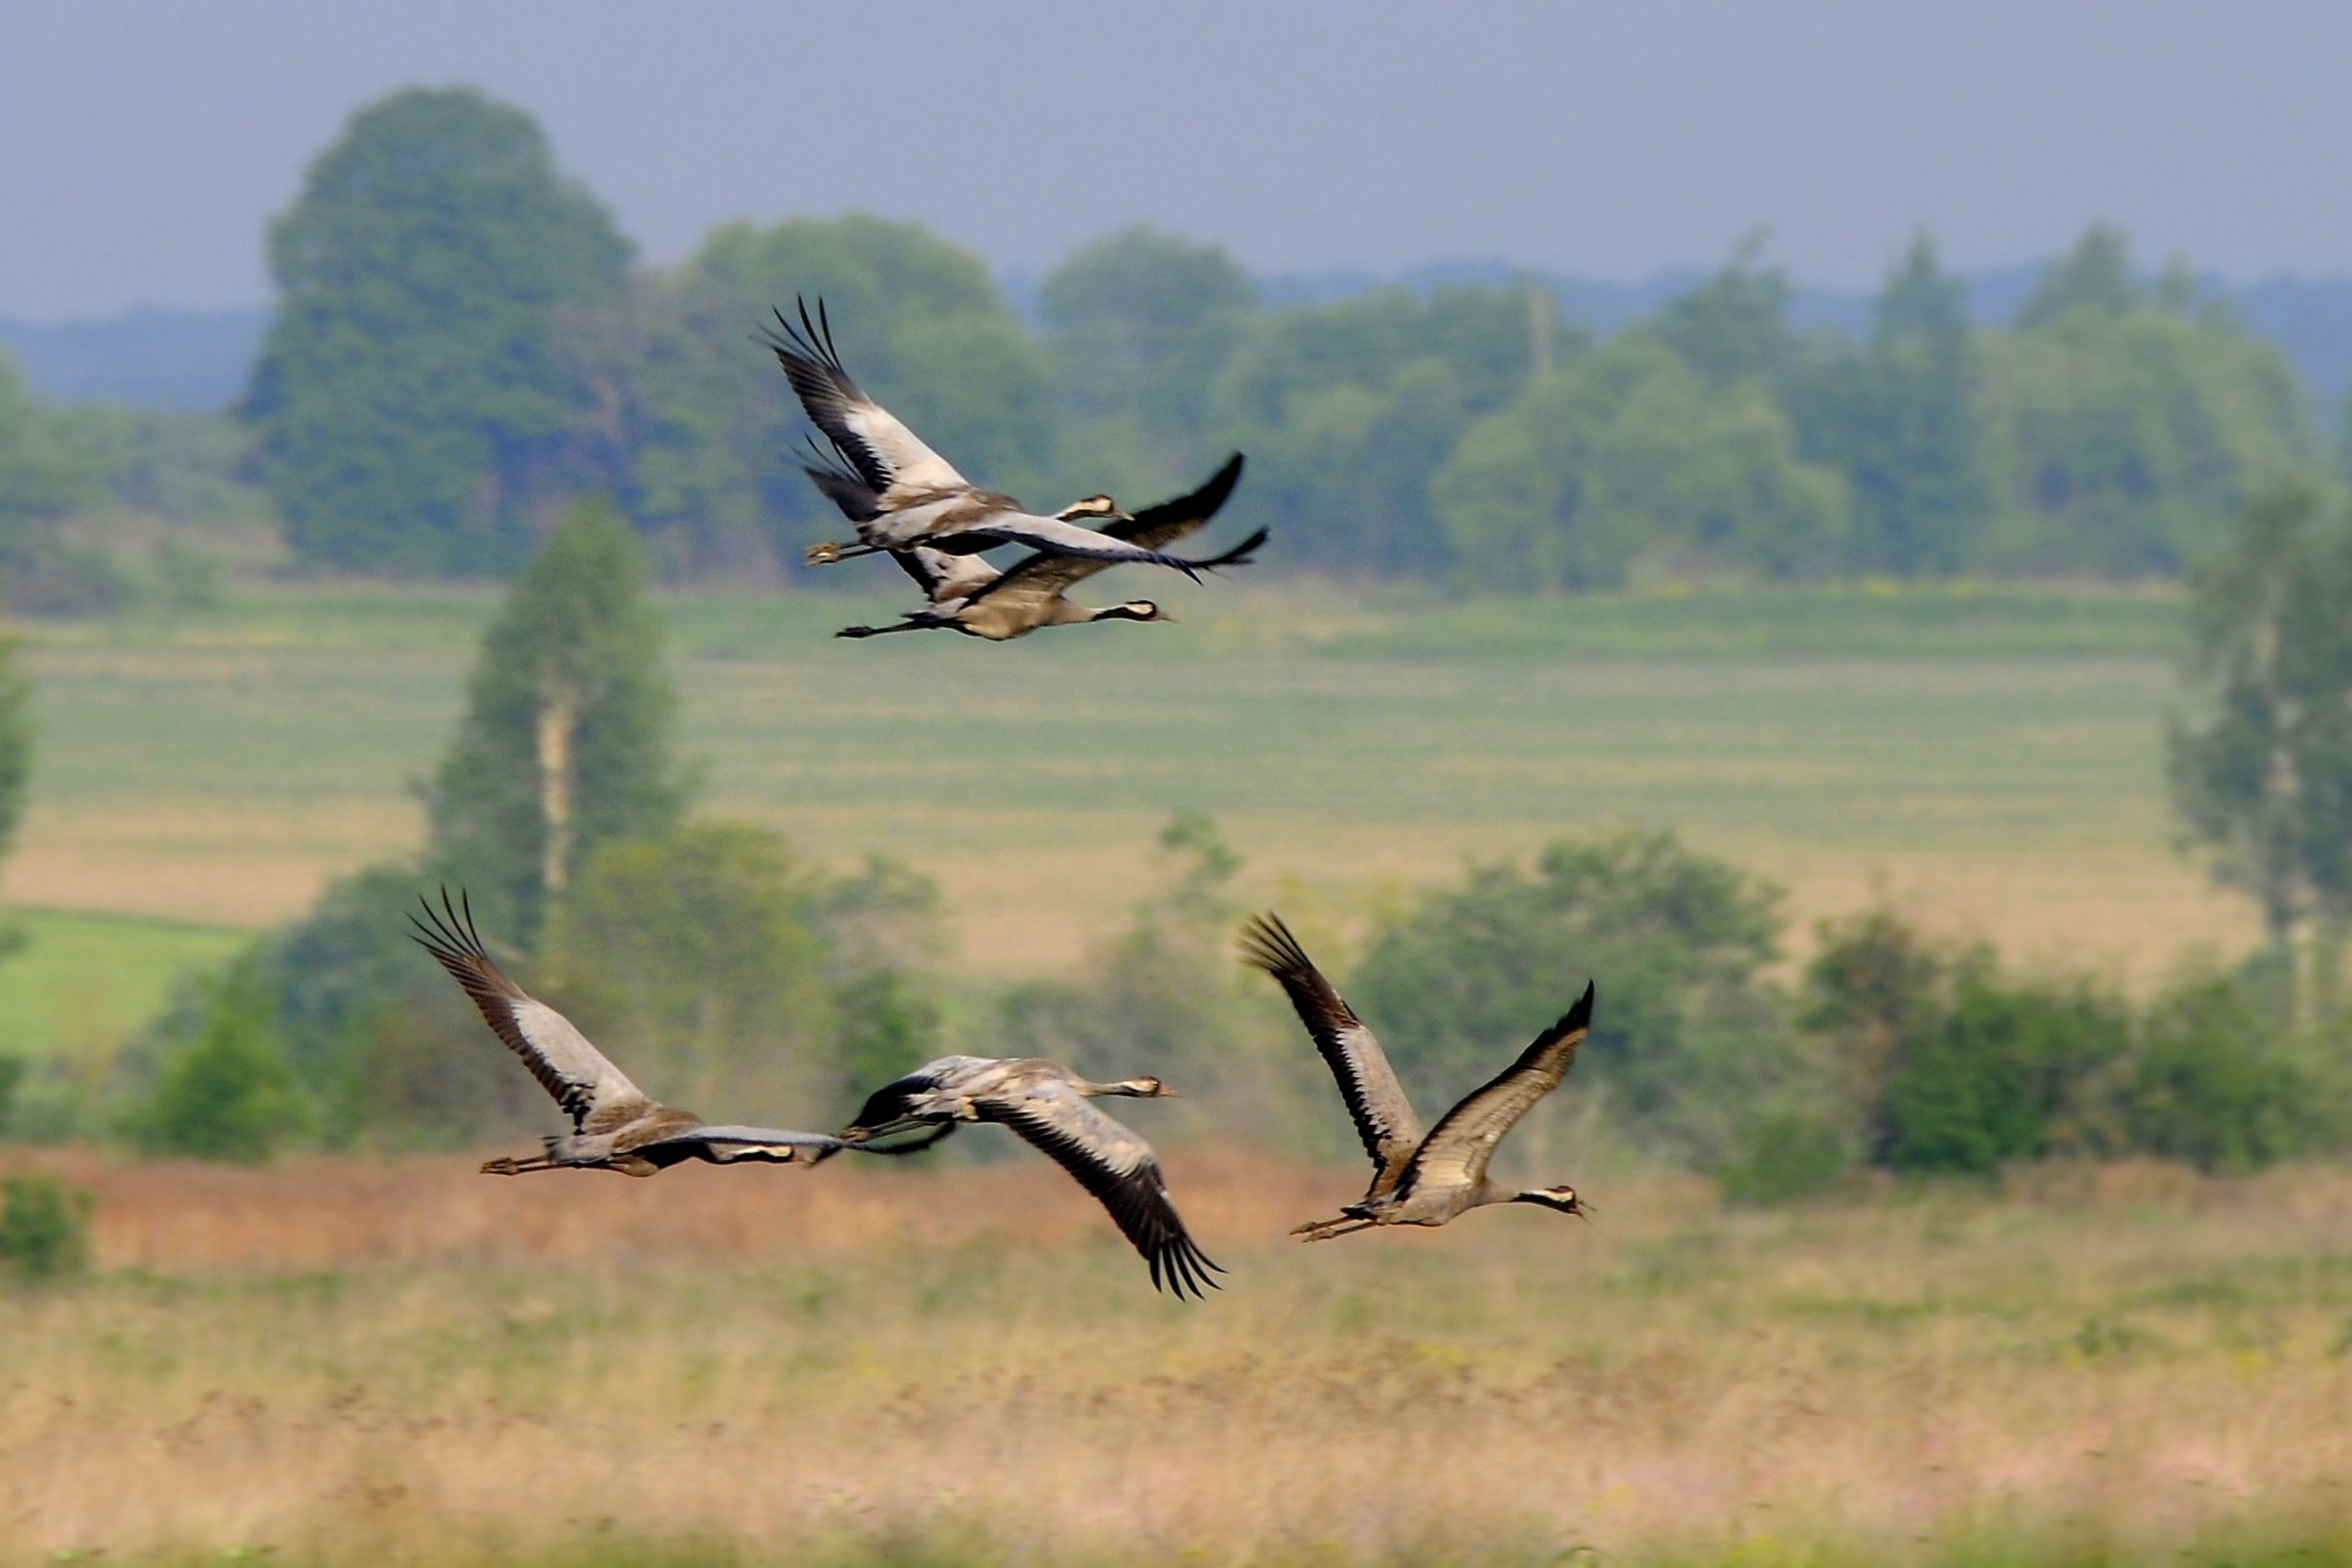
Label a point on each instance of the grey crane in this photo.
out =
(1417, 1178)
(970, 596)
(615, 1126)
(900, 492)
(1045, 1103)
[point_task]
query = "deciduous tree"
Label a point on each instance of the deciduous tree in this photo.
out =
(424, 401)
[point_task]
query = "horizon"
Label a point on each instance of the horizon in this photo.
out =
(1584, 143)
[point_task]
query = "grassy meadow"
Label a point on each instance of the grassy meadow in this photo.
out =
(403, 1362)
(349, 1361)
(1989, 759)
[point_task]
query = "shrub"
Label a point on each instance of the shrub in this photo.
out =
(1685, 1035)
(2210, 1086)
(43, 1226)
(2003, 1074)
(1784, 1158)
(694, 961)
(230, 1094)
(12, 1072)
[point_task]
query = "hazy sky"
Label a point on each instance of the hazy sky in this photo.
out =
(143, 143)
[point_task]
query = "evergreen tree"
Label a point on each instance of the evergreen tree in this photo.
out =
(422, 403)
(15, 768)
(567, 739)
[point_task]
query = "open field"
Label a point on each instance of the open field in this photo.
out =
(352, 1362)
(1992, 759)
(84, 978)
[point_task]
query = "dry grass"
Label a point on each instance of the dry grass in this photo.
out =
(335, 1356)
(223, 768)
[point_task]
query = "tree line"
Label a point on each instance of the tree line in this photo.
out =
(465, 343)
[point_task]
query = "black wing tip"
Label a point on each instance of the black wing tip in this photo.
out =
(1181, 1268)
(448, 930)
(1268, 944)
(1577, 1016)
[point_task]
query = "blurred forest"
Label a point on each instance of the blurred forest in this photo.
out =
(464, 345)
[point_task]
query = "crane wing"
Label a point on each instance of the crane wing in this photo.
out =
(1459, 1147)
(1054, 536)
(869, 437)
(1045, 573)
(1119, 1168)
(579, 1077)
(1385, 1118)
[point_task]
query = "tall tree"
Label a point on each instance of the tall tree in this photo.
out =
(2264, 783)
(426, 398)
(1917, 450)
(1140, 322)
(921, 324)
(567, 741)
(1629, 460)
(1735, 326)
(2094, 277)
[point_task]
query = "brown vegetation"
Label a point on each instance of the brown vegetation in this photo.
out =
(335, 1353)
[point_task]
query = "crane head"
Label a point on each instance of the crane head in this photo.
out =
(1145, 1089)
(1562, 1197)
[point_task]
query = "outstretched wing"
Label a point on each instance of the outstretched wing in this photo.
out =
(1117, 1167)
(588, 1087)
(1046, 574)
(869, 437)
(1459, 1147)
(1385, 1118)
(1059, 537)
(725, 1146)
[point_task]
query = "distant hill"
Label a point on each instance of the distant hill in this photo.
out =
(151, 357)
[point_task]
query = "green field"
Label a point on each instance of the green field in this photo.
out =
(88, 980)
(1989, 759)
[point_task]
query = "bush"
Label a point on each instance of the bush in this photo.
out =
(1785, 1158)
(1685, 1035)
(2004, 1074)
(2209, 1085)
(12, 1072)
(230, 1094)
(695, 962)
(43, 1226)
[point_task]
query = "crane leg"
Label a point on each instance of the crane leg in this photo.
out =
(506, 1164)
(1338, 1225)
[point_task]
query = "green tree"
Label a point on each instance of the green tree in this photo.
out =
(2262, 780)
(425, 396)
(2004, 1072)
(2124, 430)
(1908, 426)
(230, 1094)
(1685, 1035)
(1140, 322)
(1346, 410)
(1628, 460)
(15, 765)
(695, 960)
(1734, 327)
(921, 324)
(2093, 279)
(567, 739)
